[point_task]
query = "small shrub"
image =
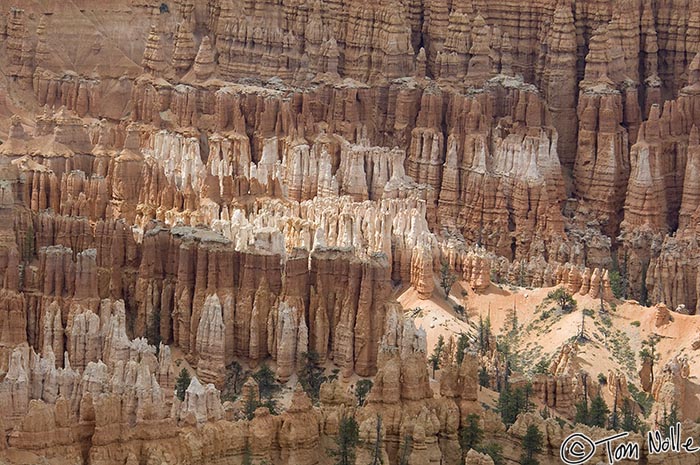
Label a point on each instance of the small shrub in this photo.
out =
(635, 323)
(602, 379)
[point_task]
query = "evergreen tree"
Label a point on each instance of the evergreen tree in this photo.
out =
(362, 388)
(673, 417)
(615, 419)
(251, 405)
(630, 422)
(271, 406)
(182, 383)
(482, 339)
(462, 344)
(566, 302)
(346, 442)
(505, 405)
(503, 346)
(643, 291)
(598, 414)
(648, 353)
(377, 451)
(311, 376)
(267, 383)
(619, 283)
(484, 330)
(247, 455)
(542, 367)
(616, 285)
(471, 434)
(581, 412)
(521, 274)
(447, 279)
(582, 330)
(669, 419)
(153, 328)
(406, 448)
(513, 323)
(532, 444)
(512, 402)
(29, 246)
(437, 354)
(483, 377)
(493, 450)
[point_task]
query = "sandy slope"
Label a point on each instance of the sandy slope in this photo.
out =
(545, 338)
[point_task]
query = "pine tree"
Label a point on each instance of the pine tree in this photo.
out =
(582, 412)
(377, 451)
(348, 437)
(532, 444)
(153, 328)
(437, 354)
(483, 377)
(484, 330)
(615, 419)
(514, 321)
(542, 367)
(447, 279)
(462, 345)
(267, 383)
(362, 388)
(29, 247)
(251, 405)
(503, 346)
(247, 455)
(493, 450)
(182, 383)
(510, 404)
(311, 376)
(271, 406)
(598, 414)
(643, 291)
(630, 422)
(482, 339)
(668, 420)
(521, 274)
(648, 353)
(582, 329)
(566, 302)
(406, 448)
(616, 284)
(471, 434)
